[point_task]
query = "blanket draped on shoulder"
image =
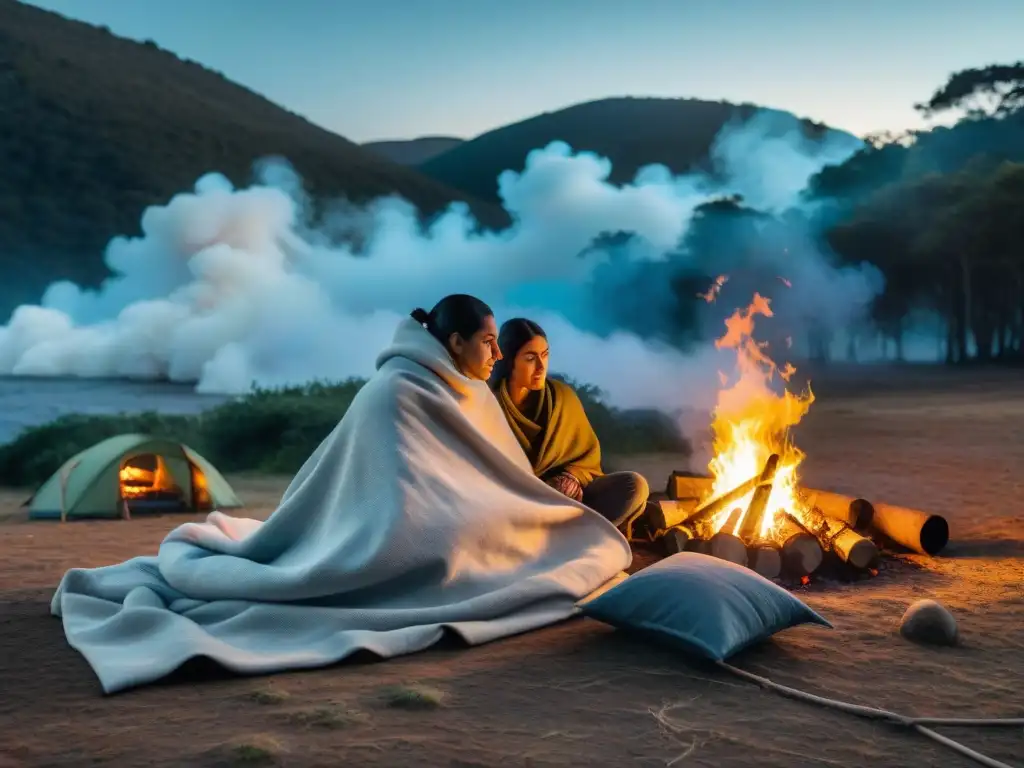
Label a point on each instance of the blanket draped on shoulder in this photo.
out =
(555, 434)
(418, 513)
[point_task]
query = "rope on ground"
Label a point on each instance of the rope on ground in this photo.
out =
(919, 724)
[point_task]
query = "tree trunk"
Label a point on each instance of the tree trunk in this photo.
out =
(950, 337)
(1017, 315)
(1002, 337)
(818, 341)
(983, 333)
(963, 312)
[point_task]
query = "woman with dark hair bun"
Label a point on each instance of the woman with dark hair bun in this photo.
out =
(548, 420)
(466, 327)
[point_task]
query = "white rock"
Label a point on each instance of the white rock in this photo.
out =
(928, 621)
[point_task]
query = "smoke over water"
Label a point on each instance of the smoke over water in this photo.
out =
(230, 287)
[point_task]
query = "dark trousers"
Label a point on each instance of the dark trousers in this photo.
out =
(618, 496)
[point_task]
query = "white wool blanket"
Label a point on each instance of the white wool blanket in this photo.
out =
(418, 513)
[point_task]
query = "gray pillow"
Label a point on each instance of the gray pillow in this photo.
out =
(706, 606)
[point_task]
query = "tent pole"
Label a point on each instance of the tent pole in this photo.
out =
(65, 475)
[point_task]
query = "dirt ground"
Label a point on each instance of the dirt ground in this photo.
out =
(579, 693)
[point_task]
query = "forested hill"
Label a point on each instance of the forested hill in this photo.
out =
(94, 128)
(631, 132)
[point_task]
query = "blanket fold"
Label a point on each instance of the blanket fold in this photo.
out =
(418, 513)
(555, 433)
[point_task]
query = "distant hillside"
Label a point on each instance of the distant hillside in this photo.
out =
(630, 132)
(93, 128)
(413, 151)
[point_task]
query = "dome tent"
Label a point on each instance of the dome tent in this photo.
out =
(133, 471)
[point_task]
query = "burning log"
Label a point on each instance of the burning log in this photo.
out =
(725, 545)
(751, 526)
(677, 538)
(764, 559)
(668, 513)
(800, 551)
(916, 530)
(685, 486)
(837, 536)
(709, 509)
(857, 513)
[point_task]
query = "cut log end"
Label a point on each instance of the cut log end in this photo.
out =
(862, 554)
(700, 546)
(848, 545)
(934, 535)
(801, 555)
(765, 560)
(676, 540)
(725, 546)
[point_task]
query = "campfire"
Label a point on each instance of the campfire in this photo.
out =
(146, 478)
(750, 508)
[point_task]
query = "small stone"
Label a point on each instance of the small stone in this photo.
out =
(929, 622)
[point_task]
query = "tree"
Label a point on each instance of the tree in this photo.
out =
(951, 243)
(993, 91)
(938, 213)
(873, 234)
(989, 229)
(883, 138)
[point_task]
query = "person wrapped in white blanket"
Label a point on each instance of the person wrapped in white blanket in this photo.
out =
(418, 514)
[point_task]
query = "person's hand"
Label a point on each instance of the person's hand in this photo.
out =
(567, 485)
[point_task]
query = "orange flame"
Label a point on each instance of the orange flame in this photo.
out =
(135, 481)
(752, 421)
(136, 476)
(716, 288)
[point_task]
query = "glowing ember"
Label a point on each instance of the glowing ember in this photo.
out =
(752, 421)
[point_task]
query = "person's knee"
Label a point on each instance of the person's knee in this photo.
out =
(639, 490)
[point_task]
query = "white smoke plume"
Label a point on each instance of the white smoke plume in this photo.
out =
(228, 287)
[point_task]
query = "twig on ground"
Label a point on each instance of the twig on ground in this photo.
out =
(874, 713)
(672, 729)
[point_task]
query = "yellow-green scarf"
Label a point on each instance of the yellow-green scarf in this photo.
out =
(557, 436)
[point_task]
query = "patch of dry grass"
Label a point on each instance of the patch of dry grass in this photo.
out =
(256, 751)
(268, 695)
(331, 717)
(413, 696)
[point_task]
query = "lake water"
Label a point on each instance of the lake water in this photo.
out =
(30, 402)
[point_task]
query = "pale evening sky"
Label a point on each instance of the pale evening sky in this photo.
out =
(374, 69)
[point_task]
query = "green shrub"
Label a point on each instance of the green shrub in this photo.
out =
(275, 431)
(625, 432)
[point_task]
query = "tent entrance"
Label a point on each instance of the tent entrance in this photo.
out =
(153, 483)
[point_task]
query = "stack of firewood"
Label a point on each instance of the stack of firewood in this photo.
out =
(830, 526)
